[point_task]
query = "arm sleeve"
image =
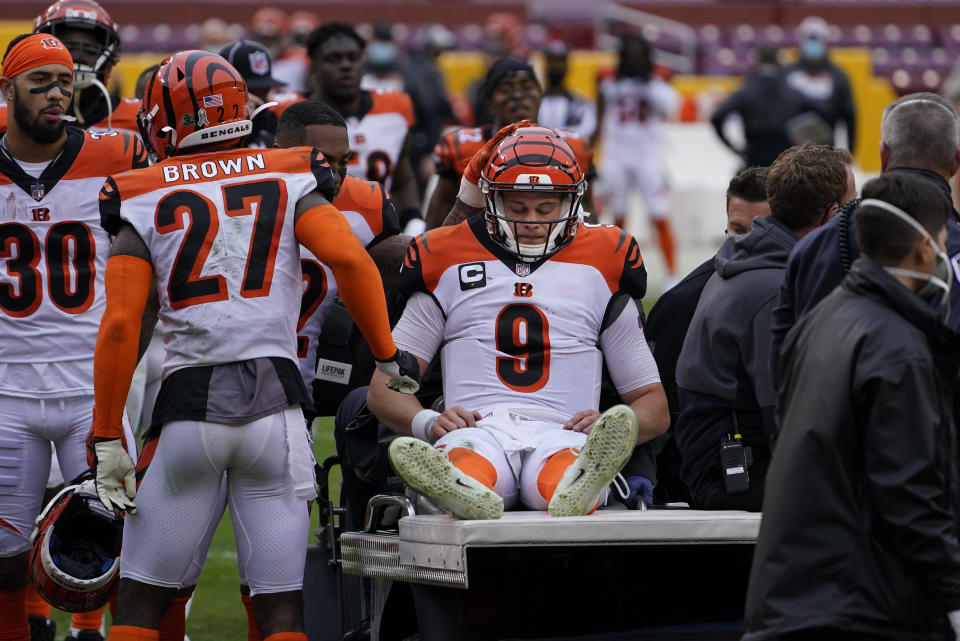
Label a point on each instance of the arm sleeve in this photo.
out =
(420, 329)
(625, 350)
(906, 459)
(128, 280)
(325, 232)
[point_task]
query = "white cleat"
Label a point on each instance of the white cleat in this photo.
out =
(429, 473)
(608, 448)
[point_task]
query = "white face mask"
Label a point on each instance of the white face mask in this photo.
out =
(941, 278)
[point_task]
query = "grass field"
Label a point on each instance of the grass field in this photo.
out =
(216, 613)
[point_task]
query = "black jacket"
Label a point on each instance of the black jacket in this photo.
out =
(724, 366)
(859, 529)
(767, 105)
(828, 88)
(816, 266)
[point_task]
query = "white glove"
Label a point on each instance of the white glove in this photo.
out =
(404, 372)
(470, 194)
(116, 476)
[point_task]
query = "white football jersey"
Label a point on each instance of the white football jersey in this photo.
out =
(370, 213)
(515, 333)
(220, 230)
(53, 253)
(634, 110)
(377, 135)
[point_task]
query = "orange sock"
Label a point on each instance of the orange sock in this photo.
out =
(132, 633)
(36, 606)
(87, 620)
(173, 623)
(667, 246)
(253, 632)
(13, 615)
(473, 465)
(287, 636)
(553, 470)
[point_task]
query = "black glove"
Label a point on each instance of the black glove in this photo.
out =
(404, 372)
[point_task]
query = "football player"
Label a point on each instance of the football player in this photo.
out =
(366, 206)
(51, 297)
(94, 43)
(536, 302)
(378, 121)
(512, 94)
(632, 105)
(212, 231)
(373, 221)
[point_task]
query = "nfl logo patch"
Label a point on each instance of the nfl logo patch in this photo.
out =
(259, 63)
(523, 269)
(37, 190)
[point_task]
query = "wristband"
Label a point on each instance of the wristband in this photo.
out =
(470, 194)
(421, 424)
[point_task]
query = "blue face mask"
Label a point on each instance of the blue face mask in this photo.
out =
(813, 49)
(381, 54)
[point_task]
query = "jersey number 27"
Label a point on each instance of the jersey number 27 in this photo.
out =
(186, 286)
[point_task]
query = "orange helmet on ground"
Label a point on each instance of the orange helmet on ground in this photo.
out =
(194, 99)
(533, 160)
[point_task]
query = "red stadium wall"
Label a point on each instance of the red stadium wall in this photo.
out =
(452, 12)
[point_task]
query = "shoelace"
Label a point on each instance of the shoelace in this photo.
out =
(620, 485)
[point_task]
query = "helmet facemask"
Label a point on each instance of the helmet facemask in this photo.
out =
(503, 227)
(532, 160)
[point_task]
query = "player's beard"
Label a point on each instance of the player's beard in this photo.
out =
(33, 126)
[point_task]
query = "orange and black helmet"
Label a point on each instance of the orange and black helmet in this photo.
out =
(86, 15)
(194, 99)
(538, 160)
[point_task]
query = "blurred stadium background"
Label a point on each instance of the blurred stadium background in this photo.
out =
(886, 47)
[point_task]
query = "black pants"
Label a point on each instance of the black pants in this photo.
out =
(709, 493)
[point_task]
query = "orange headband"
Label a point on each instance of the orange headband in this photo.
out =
(35, 51)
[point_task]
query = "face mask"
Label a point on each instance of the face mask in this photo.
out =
(381, 54)
(813, 49)
(941, 278)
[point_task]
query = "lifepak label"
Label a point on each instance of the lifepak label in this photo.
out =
(333, 371)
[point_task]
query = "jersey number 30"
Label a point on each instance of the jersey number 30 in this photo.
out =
(186, 286)
(69, 250)
(522, 332)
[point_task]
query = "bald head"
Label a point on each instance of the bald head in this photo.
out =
(920, 130)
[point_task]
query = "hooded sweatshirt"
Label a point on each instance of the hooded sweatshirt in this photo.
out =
(723, 371)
